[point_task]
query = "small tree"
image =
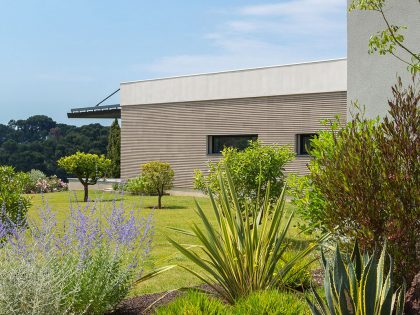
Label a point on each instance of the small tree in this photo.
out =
(158, 177)
(114, 149)
(88, 168)
(13, 204)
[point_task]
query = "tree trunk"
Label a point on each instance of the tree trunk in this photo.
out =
(86, 188)
(159, 201)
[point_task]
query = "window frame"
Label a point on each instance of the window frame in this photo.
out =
(211, 137)
(299, 138)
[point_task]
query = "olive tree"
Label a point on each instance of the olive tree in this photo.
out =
(88, 168)
(158, 177)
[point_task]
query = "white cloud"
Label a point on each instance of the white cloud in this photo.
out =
(266, 34)
(295, 8)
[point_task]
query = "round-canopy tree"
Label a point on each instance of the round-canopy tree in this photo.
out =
(88, 168)
(158, 177)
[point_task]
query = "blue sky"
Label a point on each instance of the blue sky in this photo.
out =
(55, 55)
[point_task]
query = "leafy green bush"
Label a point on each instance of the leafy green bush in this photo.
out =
(364, 182)
(271, 302)
(358, 286)
(251, 171)
(135, 186)
(309, 202)
(242, 252)
(13, 204)
(158, 177)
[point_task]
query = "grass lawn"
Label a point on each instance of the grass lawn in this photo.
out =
(178, 212)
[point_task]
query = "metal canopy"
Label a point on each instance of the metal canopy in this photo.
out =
(106, 111)
(97, 111)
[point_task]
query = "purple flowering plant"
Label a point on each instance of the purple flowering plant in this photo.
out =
(90, 259)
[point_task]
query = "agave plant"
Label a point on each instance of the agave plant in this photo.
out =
(357, 286)
(244, 250)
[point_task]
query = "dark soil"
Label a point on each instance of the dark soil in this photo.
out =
(145, 304)
(318, 277)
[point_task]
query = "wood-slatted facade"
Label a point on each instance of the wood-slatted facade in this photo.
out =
(178, 132)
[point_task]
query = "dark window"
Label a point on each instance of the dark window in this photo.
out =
(218, 143)
(304, 143)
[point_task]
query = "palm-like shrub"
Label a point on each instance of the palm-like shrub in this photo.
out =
(358, 286)
(244, 251)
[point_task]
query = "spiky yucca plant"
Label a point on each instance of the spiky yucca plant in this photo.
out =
(358, 286)
(242, 251)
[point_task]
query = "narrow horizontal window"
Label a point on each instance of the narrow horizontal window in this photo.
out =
(303, 143)
(217, 143)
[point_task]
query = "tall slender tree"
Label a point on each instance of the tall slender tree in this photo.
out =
(114, 149)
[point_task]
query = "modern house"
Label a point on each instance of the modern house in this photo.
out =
(187, 120)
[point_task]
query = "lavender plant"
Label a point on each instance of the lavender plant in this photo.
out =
(83, 265)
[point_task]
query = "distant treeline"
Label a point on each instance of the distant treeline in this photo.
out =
(38, 142)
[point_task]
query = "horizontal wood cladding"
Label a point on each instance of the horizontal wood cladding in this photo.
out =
(178, 132)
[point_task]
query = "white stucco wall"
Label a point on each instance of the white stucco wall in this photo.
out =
(312, 77)
(370, 77)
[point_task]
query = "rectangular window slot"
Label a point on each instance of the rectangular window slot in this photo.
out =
(217, 143)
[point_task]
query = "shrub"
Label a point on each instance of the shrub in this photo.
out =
(55, 184)
(365, 180)
(13, 204)
(358, 286)
(271, 302)
(193, 303)
(135, 186)
(309, 202)
(34, 177)
(243, 251)
(85, 264)
(251, 171)
(158, 177)
(40, 183)
(87, 167)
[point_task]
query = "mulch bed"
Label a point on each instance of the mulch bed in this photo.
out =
(145, 304)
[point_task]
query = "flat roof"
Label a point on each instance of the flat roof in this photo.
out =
(300, 78)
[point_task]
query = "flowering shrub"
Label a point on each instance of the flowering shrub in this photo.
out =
(40, 183)
(50, 184)
(84, 265)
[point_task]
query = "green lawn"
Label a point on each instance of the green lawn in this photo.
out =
(178, 212)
